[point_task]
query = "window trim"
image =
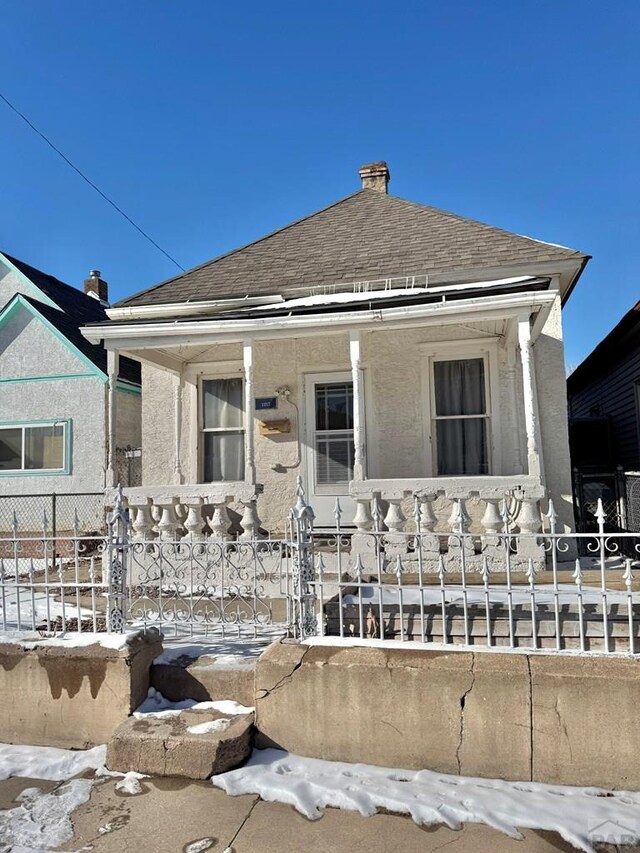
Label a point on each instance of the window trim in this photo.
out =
(42, 472)
(487, 350)
(225, 372)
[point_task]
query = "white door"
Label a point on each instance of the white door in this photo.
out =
(329, 445)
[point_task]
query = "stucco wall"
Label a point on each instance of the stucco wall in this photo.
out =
(11, 283)
(128, 419)
(28, 349)
(548, 353)
(395, 381)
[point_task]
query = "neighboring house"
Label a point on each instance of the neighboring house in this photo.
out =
(53, 386)
(376, 347)
(604, 423)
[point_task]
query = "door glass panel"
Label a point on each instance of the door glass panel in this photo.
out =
(10, 449)
(333, 444)
(334, 406)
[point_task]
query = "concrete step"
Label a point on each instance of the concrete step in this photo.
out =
(206, 677)
(193, 744)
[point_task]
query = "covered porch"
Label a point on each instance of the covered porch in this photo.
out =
(407, 417)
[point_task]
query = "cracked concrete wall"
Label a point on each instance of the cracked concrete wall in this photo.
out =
(71, 697)
(545, 718)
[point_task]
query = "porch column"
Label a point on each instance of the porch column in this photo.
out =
(177, 410)
(359, 459)
(530, 408)
(249, 456)
(113, 363)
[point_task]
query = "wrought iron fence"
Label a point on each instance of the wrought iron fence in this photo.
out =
(502, 588)
(509, 590)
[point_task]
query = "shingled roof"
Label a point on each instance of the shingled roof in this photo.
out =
(76, 309)
(368, 235)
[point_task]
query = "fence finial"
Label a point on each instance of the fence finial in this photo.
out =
(577, 574)
(302, 509)
(441, 569)
(486, 571)
(600, 515)
(627, 577)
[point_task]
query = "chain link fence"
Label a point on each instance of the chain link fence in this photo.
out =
(54, 513)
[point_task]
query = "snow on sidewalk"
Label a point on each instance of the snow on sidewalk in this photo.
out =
(48, 762)
(310, 784)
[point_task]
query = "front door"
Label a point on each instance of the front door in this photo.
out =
(329, 445)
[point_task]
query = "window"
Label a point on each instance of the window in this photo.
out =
(33, 447)
(461, 417)
(334, 432)
(222, 415)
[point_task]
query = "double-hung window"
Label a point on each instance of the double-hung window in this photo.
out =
(222, 431)
(33, 447)
(460, 411)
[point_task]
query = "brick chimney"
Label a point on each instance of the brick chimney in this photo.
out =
(375, 176)
(95, 286)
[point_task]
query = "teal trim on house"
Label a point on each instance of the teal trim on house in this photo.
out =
(41, 295)
(18, 301)
(68, 446)
(128, 387)
(53, 377)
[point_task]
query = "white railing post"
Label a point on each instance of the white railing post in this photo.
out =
(118, 547)
(304, 575)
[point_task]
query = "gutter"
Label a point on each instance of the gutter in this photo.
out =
(525, 302)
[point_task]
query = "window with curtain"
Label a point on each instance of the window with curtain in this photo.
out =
(461, 418)
(33, 447)
(222, 430)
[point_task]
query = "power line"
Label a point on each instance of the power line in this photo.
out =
(89, 181)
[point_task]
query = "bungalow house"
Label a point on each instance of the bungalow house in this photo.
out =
(53, 397)
(377, 347)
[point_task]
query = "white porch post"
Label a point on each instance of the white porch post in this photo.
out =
(113, 362)
(249, 457)
(359, 459)
(177, 410)
(530, 408)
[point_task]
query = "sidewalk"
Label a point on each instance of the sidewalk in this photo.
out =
(172, 816)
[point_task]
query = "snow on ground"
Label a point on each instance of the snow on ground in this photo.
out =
(48, 762)
(310, 784)
(155, 705)
(35, 607)
(42, 821)
(229, 651)
(520, 595)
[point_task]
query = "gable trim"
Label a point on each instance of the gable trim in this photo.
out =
(52, 378)
(41, 294)
(19, 301)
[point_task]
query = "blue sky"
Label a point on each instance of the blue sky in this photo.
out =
(214, 123)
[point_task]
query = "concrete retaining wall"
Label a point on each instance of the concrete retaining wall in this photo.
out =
(71, 697)
(558, 719)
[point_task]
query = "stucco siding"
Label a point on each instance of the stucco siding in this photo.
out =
(81, 401)
(128, 419)
(548, 352)
(11, 283)
(396, 386)
(29, 348)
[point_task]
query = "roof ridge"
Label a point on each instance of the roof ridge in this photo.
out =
(243, 247)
